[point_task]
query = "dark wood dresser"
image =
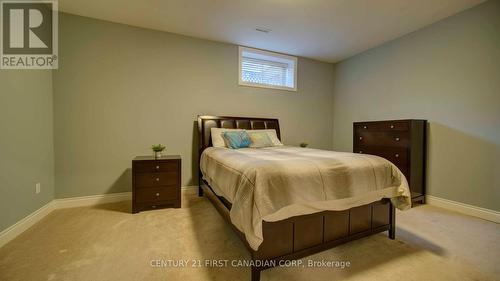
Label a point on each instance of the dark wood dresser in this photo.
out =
(403, 142)
(156, 183)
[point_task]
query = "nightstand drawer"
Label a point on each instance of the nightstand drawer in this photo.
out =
(158, 166)
(156, 179)
(156, 194)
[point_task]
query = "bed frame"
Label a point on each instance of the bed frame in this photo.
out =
(298, 236)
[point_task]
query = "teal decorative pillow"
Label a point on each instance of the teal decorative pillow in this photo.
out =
(260, 139)
(236, 139)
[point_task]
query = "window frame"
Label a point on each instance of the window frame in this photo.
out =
(241, 49)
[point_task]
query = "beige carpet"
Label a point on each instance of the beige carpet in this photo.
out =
(106, 242)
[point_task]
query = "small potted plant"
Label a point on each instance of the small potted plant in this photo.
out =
(158, 149)
(304, 144)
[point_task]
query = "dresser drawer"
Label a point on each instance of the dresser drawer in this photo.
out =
(382, 126)
(402, 163)
(155, 166)
(397, 155)
(156, 194)
(387, 139)
(405, 171)
(156, 179)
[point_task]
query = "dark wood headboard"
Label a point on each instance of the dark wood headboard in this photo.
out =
(205, 123)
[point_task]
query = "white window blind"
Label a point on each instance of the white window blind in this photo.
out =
(266, 69)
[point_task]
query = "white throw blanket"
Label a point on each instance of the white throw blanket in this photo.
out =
(276, 183)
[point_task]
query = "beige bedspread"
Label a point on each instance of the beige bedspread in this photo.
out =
(276, 183)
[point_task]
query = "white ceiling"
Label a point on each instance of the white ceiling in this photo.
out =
(326, 30)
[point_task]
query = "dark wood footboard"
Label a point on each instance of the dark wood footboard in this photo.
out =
(301, 236)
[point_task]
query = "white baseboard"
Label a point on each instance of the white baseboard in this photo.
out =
(91, 200)
(19, 227)
(98, 199)
(463, 208)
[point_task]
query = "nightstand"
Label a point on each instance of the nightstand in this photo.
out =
(156, 183)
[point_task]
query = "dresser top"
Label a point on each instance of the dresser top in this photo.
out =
(397, 120)
(151, 157)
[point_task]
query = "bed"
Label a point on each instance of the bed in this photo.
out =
(286, 203)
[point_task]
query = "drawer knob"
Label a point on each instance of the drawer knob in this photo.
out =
(397, 139)
(397, 155)
(157, 194)
(360, 138)
(364, 127)
(392, 126)
(361, 151)
(154, 206)
(157, 167)
(157, 179)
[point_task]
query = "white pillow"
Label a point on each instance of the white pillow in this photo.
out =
(217, 139)
(272, 135)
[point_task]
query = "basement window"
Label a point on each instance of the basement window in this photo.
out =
(258, 68)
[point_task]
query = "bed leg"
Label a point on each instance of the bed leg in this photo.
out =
(392, 219)
(255, 273)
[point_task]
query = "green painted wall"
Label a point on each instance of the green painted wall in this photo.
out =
(449, 74)
(120, 89)
(26, 143)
